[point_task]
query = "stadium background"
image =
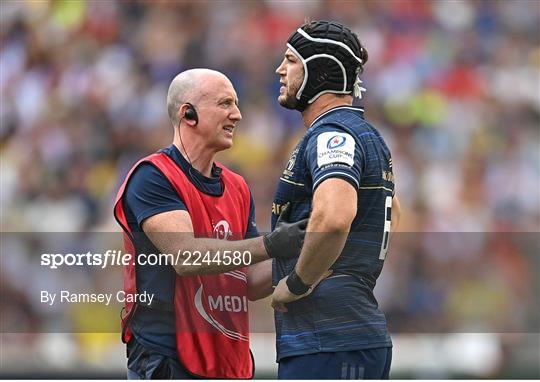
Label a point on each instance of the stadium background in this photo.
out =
(452, 85)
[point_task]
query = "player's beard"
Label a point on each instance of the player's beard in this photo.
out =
(288, 100)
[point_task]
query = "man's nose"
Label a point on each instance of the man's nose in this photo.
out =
(279, 69)
(236, 115)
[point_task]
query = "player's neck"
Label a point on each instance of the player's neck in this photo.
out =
(322, 105)
(199, 156)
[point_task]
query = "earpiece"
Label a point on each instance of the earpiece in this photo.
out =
(191, 113)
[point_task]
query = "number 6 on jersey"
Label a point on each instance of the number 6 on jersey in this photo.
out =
(387, 225)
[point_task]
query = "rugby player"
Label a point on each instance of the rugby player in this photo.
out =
(340, 174)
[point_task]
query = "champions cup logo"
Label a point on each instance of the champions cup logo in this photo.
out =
(335, 142)
(334, 147)
(222, 231)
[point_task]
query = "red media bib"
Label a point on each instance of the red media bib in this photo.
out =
(211, 318)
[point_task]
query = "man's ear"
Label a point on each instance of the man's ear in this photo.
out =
(182, 110)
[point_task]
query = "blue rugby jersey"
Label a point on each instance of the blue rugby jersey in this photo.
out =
(342, 313)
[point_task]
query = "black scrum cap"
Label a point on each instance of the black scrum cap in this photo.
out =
(332, 58)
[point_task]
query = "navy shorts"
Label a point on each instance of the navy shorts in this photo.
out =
(358, 364)
(147, 364)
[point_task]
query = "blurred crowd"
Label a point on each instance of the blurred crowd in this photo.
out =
(452, 85)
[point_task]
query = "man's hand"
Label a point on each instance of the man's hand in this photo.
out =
(282, 295)
(287, 239)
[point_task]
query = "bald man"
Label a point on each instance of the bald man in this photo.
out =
(180, 201)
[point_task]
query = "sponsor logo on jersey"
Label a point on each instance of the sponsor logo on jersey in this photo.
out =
(335, 147)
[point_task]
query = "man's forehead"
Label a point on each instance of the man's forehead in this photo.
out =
(223, 94)
(217, 88)
(290, 53)
(225, 89)
(216, 95)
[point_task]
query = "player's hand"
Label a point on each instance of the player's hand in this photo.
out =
(282, 295)
(287, 239)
